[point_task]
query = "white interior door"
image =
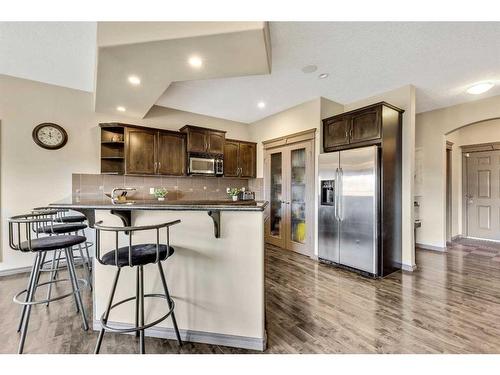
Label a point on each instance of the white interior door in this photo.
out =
(483, 195)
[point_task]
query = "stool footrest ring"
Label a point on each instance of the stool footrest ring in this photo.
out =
(135, 329)
(81, 282)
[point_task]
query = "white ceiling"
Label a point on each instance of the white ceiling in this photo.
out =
(227, 50)
(363, 59)
(59, 53)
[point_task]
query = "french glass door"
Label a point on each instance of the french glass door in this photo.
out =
(276, 234)
(290, 172)
(300, 198)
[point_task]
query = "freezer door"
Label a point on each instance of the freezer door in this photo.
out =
(328, 225)
(358, 208)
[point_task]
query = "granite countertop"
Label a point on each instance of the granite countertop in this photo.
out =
(102, 202)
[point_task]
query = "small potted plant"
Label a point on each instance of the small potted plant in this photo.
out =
(161, 193)
(233, 192)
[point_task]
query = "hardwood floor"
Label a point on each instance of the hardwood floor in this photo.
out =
(450, 304)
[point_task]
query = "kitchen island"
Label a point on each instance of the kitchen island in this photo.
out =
(216, 275)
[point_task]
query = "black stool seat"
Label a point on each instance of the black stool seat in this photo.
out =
(61, 228)
(141, 254)
(71, 219)
(52, 243)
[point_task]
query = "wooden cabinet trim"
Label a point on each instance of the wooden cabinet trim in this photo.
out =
(186, 127)
(290, 139)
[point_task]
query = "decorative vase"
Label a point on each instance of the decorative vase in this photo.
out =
(235, 198)
(161, 198)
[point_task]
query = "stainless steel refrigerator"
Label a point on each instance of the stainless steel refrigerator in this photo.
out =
(348, 208)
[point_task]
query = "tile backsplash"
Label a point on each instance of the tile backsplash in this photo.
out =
(179, 188)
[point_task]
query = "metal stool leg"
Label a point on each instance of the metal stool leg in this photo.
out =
(106, 313)
(31, 292)
(52, 275)
(89, 263)
(85, 266)
(28, 287)
(142, 349)
(137, 300)
(57, 263)
(74, 282)
(169, 300)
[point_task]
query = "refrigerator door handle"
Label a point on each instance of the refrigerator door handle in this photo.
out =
(336, 192)
(341, 195)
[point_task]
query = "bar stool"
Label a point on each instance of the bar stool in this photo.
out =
(137, 256)
(63, 229)
(71, 223)
(21, 228)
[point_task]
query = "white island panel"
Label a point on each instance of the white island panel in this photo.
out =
(217, 283)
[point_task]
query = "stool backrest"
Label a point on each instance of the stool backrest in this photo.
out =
(22, 226)
(57, 212)
(130, 231)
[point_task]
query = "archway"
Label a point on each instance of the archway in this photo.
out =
(459, 213)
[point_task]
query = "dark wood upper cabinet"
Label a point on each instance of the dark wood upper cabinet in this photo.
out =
(240, 158)
(366, 125)
(138, 150)
(248, 159)
(204, 140)
(197, 140)
(171, 153)
(216, 142)
(231, 151)
(355, 128)
(336, 132)
(140, 146)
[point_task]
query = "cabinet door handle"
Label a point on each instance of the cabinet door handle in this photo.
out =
(155, 166)
(159, 165)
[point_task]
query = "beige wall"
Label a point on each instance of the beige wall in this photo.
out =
(32, 176)
(403, 98)
(431, 130)
(304, 116)
(482, 132)
(301, 117)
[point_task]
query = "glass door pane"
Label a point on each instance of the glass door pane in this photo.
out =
(276, 216)
(298, 196)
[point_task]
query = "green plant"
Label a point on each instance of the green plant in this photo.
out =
(232, 192)
(160, 192)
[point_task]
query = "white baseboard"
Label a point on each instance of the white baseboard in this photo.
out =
(252, 343)
(408, 267)
(431, 247)
(15, 271)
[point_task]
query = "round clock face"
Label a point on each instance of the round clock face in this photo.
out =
(50, 136)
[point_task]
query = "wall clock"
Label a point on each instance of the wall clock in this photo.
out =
(50, 136)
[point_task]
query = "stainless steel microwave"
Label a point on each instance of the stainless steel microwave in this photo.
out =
(209, 166)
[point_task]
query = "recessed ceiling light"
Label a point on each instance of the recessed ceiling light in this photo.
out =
(479, 88)
(323, 75)
(309, 69)
(261, 105)
(195, 61)
(134, 80)
(120, 108)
